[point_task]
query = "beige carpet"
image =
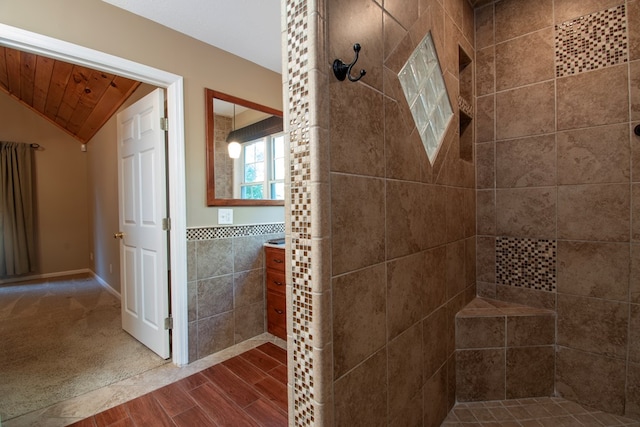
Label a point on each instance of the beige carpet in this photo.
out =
(60, 338)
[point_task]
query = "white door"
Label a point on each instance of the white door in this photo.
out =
(142, 208)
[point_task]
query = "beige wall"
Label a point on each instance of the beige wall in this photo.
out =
(98, 25)
(62, 217)
(558, 164)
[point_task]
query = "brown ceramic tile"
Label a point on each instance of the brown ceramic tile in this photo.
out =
(434, 279)
(486, 259)
(357, 228)
(455, 211)
(405, 12)
(526, 111)
(566, 10)
(405, 369)
(455, 266)
(435, 216)
(486, 212)
(530, 372)
(594, 212)
(525, 60)
(435, 400)
(485, 71)
(593, 325)
(634, 87)
(485, 165)
(515, 18)
(486, 290)
(480, 374)
(404, 153)
(635, 212)
(593, 269)
(406, 228)
(526, 212)
(361, 395)
(484, 118)
(411, 413)
(434, 341)
(634, 333)
(634, 281)
(215, 296)
(480, 332)
(484, 26)
(594, 155)
(590, 379)
(633, 19)
(367, 156)
(359, 317)
(531, 330)
(584, 101)
(526, 162)
(404, 289)
(531, 297)
(366, 30)
(632, 404)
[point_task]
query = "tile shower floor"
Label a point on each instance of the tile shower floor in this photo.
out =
(533, 412)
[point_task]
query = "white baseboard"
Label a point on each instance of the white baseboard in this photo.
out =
(44, 276)
(106, 286)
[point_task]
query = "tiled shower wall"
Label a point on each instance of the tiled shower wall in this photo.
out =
(226, 285)
(558, 178)
(396, 235)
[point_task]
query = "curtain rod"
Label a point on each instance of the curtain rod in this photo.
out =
(34, 145)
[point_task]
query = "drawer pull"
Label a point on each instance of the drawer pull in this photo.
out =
(277, 283)
(279, 261)
(278, 311)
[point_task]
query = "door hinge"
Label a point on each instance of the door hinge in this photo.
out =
(164, 123)
(166, 224)
(168, 323)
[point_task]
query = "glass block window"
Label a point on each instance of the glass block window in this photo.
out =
(423, 86)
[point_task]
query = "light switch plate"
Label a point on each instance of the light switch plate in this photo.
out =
(225, 216)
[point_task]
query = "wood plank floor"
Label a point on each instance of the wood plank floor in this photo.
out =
(246, 390)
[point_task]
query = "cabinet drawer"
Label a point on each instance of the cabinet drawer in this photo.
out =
(275, 258)
(277, 315)
(275, 281)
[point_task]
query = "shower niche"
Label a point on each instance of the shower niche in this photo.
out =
(465, 104)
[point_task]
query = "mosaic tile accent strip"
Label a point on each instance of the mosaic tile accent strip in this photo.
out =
(210, 233)
(592, 42)
(526, 263)
(297, 15)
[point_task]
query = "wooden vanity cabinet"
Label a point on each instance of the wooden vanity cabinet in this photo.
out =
(276, 287)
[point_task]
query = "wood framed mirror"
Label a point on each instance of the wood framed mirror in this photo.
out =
(256, 178)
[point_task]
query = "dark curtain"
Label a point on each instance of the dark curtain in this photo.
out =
(17, 247)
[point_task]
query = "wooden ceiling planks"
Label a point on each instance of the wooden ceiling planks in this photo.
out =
(77, 99)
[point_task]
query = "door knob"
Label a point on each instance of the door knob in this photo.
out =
(118, 235)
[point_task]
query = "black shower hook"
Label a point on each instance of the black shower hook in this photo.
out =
(342, 70)
(636, 130)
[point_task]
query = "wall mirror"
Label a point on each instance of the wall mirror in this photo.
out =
(255, 175)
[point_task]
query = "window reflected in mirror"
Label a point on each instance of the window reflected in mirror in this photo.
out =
(255, 173)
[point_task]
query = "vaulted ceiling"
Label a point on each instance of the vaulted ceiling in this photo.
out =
(77, 99)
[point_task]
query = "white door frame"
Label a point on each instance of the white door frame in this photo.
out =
(27, 41)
